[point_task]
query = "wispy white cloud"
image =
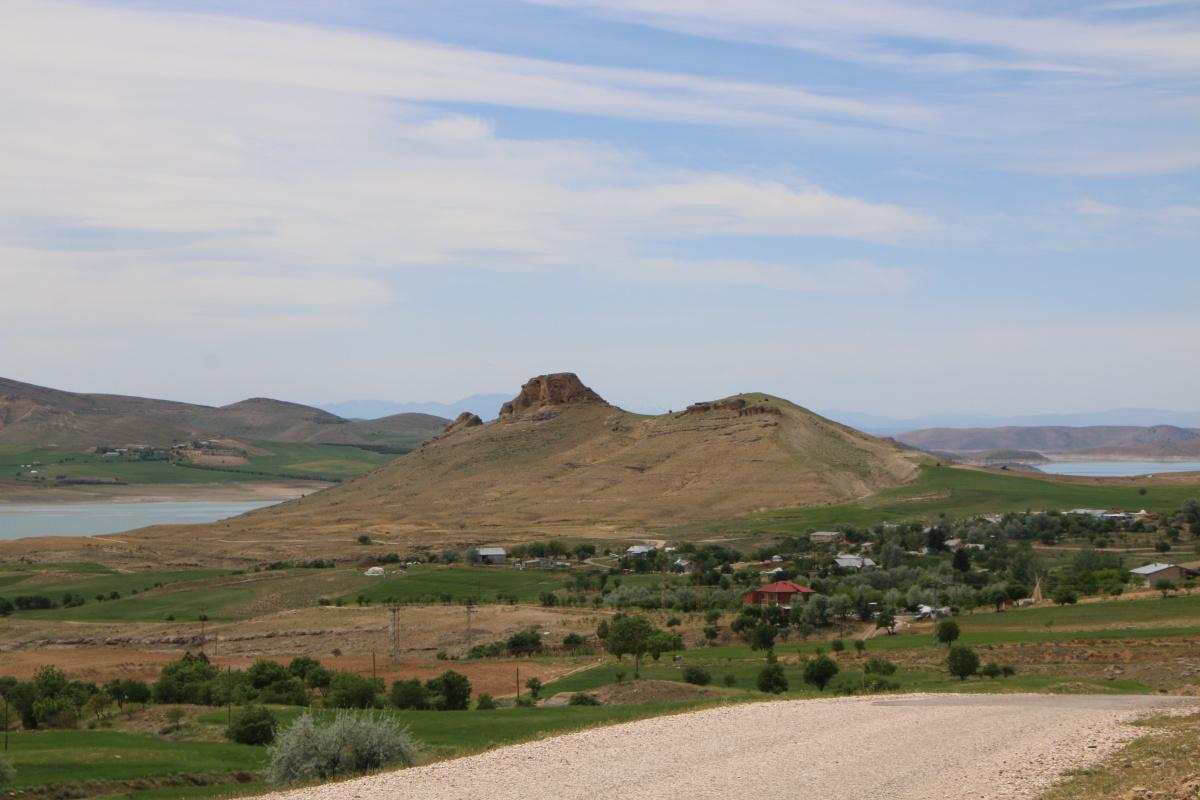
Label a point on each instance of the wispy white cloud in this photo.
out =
(921, 35)
(176, 146)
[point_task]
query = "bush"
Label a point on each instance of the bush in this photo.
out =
(525, 701)
(1008, 670)
(582, 699)
(879, 666)
(771, 678)
(674, 621)
(450, 691)
(485, 702)
(962, 661)
(573, 639)
(697, 675)
(252, 725)
(351, 745)
(837, 645)
(7, 773)
(991, 670)
(730, 679)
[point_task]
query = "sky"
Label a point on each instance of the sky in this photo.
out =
(892, 207)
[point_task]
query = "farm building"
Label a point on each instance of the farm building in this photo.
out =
(640, 550)
(1153, 573)
(492, 555)
(781, 593)
(853, 562)
(824, 537)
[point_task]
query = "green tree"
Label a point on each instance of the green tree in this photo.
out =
(1165, 586)
(886, 620)
(534, 685)
(629, 634)
(819, 671)
(485, 702)
(175, 715)
(962, 661)
(450, 691)
(763, 637)
(408, 694)
(837, 645)
(770, 678)
(697, 675)
(859, 646)
(948, 631)
(991, 670)
(253, 724)
(1064, 595)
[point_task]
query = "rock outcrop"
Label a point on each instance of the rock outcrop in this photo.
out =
(559, 389)
(729, 404)
(464, 420)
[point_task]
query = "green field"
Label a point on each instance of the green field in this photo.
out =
(957, 493)
(58, 757)
(481, 581)
(149, 605)
(290, 458)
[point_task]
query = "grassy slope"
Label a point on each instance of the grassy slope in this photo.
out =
(959, 493)
(319, 460)
(56, 757)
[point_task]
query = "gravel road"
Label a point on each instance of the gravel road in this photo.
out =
(907, 747)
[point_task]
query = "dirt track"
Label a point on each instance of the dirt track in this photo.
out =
(913, 747)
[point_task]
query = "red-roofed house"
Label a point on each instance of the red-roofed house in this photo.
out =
(780, 593)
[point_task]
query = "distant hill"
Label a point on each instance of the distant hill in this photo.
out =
(483, 406)
(1123, 417)
(1102, 441)
(559, 455)
(32, 414)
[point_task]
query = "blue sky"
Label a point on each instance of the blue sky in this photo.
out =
(891, 207)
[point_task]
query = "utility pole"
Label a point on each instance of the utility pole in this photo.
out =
(470, 609)
(664, 585)
(518, 683)
(229, 694)
(395, 634)
(696, 569)
(203, 620)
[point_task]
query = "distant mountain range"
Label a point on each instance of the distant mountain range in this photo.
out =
(1097, 441)
(1127, 417)
(37, 415)
(484, 406)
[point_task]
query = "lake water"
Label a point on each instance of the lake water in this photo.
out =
(1117, 469)
(94, 519)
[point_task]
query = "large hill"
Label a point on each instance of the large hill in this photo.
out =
(32, 414)
(559, 456)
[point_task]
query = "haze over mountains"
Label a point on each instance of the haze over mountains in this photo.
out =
(1125, 417)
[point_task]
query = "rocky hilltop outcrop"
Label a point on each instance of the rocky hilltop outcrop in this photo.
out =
(559, 389)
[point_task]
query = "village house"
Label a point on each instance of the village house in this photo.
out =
(1153, 573)
(492, 555)
(847, 561)
(782, 593)
(824, 537)
(641, 550)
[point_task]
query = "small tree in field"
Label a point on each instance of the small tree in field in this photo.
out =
(820, 671)
(962, 661)
(1165, 586)
(253, 725)
(948, 631)
(991, 670)
(859, 646)
(771, 678)
(534, 685)
(886, 620)
(175, 715)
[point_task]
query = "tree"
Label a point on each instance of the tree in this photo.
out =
(948, 631)
(991, 670)
(962, 661)
(1064, 595)
(347, 690)
(96, 705)
(1165, 586)
(253, 724)
(628, 635)
(534, 685)
(962, 560)
(771, 678)
(485, 702)
(175, 715)
(350, 745)
(408, 694)
(450, 691)
(886, 620)
(859, 646)
(837, 645)
(697, 675)
(763, 637)
(819, 671)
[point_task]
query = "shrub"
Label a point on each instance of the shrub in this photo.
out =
(350, 745)
(450, 691)
(573, 638)
(254, 724)
(697, 675)
(485, 702)
(524, 641)
(879, 666)
(730, 679)
(525, 701)
(837, 645)
(673, 621)
(991, 670)
(7, 773)
(534, 685)
(347, 690)
(1008, 670)
(583, 699)
(771, 678)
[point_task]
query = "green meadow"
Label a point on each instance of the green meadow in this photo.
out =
(957, 493)
(289, 459)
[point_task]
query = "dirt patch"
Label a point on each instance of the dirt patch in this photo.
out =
(637, 693)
